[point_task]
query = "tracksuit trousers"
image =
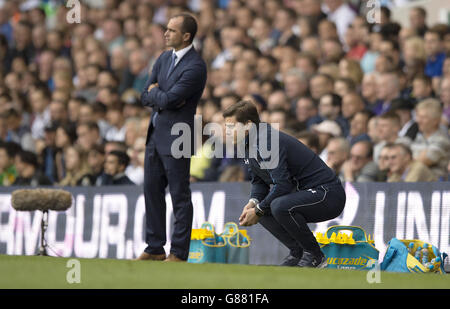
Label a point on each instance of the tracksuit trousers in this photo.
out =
(291, 213)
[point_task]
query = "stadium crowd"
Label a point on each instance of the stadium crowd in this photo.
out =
(371, 99)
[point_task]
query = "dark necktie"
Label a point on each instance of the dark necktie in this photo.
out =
(172, 64)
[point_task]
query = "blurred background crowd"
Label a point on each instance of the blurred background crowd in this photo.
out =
(371, 99)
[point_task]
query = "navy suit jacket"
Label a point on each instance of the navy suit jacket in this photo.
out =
(175, 98)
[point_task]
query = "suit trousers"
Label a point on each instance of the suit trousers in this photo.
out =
(290, 214)
(160, 171)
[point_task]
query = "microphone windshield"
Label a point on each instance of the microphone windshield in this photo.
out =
(41, 199)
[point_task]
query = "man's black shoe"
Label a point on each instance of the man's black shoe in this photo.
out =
(310, 260)
(290, 260)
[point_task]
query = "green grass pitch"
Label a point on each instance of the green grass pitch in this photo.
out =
(51, 272)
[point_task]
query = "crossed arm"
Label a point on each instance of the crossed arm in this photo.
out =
(190, 82)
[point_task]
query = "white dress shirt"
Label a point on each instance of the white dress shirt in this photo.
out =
(181, 53)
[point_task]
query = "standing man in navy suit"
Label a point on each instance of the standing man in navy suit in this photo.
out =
(172, 91)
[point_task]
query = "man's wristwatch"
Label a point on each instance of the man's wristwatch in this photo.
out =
(254, 201)
(258, 211)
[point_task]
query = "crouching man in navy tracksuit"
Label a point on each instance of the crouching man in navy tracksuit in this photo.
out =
(291, 185)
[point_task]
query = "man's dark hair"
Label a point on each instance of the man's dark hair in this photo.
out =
(122, 157)
(91, 125)
(12, 112)
(243, 111)
(394, 44)
(120, 146)
(11, 148)
(70, 131)
(28, 157)
(324, 75)
(44, 90)
(386, 11)
(3, 41)
(369, 147)
(439, 31)
(420, 10)
(390, 115)
(311, 138)
(232, 95)
(369, 114)
(98, 148)
(270, 58)
(350, 83)
(189, 25)
(312, 60)
(290, 12)
(336, 100)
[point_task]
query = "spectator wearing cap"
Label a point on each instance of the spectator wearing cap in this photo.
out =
(360, 167)
(325, 130)
(403, 108)
(388, 126)
(27, 167)
(431, 145)
(402, 167)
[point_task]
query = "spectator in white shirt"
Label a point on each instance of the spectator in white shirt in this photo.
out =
(115, 118)
(39, 99)
(340, 13)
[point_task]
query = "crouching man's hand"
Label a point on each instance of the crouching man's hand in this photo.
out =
(248, 217)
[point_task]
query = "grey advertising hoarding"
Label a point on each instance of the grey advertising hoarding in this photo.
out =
(108, 222)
